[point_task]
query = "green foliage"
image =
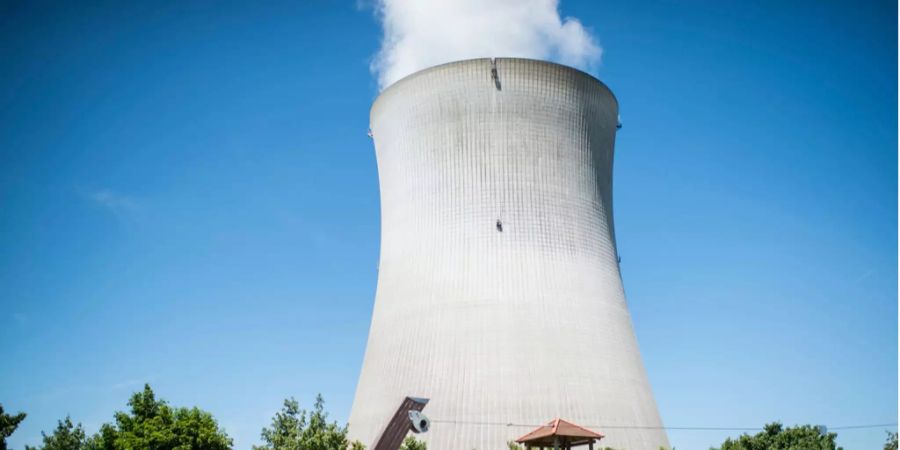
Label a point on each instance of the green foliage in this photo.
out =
(295, 429)
(776, 437)
(154, 425)
(411, 443)
(151, 425)
(891, 443)
(8, 425)
(66, 436)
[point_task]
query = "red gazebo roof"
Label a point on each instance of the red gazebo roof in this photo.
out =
(565, 432)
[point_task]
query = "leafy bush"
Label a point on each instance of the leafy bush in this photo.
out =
(775, 437)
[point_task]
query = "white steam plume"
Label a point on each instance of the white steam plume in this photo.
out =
(424, 33)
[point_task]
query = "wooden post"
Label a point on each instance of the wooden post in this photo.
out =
(591, 445)
(392, 436)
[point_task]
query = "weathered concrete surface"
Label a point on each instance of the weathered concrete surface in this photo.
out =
(517, 326)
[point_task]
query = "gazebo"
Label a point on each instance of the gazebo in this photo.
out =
(559, 435)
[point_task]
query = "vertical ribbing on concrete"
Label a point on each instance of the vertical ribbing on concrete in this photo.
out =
(519, 326)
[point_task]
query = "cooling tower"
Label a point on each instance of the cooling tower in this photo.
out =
(499, 296)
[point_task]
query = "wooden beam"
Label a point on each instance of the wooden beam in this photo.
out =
(396, 430)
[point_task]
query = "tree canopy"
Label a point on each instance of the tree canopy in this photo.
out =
(776, 437)
(296, 429)
(66, 436)
(8, 425)
(411, 443)
(891, 443)
(151, 424)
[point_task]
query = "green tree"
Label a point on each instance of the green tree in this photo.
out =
(296, 429)
(154, 425)
(66, 436)
(775, 437)
(8, 425)
(411, 443)
(891, 443)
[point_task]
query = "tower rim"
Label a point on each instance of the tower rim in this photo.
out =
(423, 72)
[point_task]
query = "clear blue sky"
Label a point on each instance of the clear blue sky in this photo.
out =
(189, 198)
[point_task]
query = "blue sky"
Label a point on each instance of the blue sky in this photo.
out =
(189, 198)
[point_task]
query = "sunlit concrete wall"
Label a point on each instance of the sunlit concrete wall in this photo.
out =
(502, 330)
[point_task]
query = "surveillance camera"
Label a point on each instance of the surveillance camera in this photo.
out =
(419, 423)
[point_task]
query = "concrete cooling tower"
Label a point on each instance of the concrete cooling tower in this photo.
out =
(499, 296)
